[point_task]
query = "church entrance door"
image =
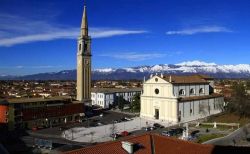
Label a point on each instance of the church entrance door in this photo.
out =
(156, 113)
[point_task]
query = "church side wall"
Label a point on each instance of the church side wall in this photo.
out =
(193, 110)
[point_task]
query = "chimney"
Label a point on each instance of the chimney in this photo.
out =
(161, 75)
(151, 75)
(129, 147)
(170, 78)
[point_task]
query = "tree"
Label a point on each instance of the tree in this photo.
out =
(248, 85)
(113, 130)
(121, 102)
(136, 103)
(92, 134)
(240, 102)
(203, 109)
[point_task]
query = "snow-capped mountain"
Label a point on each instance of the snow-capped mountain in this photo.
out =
(185, 67)
(189, 67)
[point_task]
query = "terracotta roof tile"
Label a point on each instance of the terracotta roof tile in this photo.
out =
(175, 146)
(180, 79)
(193, 98)
(115, 147)
(160, 143)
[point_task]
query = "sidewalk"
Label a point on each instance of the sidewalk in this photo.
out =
(128, 113)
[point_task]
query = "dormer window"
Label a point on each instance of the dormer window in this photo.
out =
(201, 91)
(192, 91)
(182, 92)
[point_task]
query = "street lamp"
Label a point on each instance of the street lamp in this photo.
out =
(46, 122)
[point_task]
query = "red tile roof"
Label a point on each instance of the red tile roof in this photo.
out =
(195, 98)
(175, 146)
(181, 79)
(115, 147)
(147, 142)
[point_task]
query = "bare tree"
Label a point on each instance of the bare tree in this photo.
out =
(220, 105)
(203, 109)
(113, 130)
(92, 134)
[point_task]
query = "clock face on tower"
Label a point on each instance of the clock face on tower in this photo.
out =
(87, 62)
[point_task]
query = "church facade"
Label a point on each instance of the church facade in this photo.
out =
(179, 98)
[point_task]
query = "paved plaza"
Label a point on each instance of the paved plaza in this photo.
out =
(102, 133)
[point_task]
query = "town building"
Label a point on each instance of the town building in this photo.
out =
(179, 98)
(31, 113)
(106, 97)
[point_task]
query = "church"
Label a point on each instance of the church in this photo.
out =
(177, 99)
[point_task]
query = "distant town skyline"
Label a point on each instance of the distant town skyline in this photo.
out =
(40, 35)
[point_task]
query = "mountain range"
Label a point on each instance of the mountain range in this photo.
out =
(184, 68)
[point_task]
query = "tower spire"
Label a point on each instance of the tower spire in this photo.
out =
(84, 26)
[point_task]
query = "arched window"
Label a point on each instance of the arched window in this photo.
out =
(80, 47)
(192, 91)
(182, 92)
(201, 91)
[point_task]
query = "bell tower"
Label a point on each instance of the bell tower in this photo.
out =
(84, 62)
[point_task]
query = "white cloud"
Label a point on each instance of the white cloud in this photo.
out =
(134, 56)
(37, 37)
(102, 33)
(203, 29)
(30, 67)
(19, 30)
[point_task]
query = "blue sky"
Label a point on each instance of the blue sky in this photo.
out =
(40, 35)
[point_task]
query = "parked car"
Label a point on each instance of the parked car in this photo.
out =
(34, 128)
(115, 136)
(148, 129)
(128, 119)
(177, 131)
(89, 114)
(156, 125)
(168, 133)
(124, 133)
(62, 128)
(99, 124)
(152, 128)
(124, 119)
(194, 133)
(95, 120)
(117, 121)
(101, 115)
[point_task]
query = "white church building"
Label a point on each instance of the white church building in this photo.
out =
(179, 98)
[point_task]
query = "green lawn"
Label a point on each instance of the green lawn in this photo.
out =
(207, 137)
(219, 127)
(229, 118)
